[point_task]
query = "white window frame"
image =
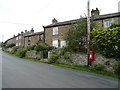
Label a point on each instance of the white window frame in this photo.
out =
(17, 38)
(55, 31)
(55, 43)
(41, 37)
(62, 43)
(19, 43)
(16, 44)
(107, 23)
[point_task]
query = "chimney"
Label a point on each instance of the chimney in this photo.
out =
(22, 32)
(32, 31)
(25, 31)
(13, 35)
(18, 33)
(95, 13)
(54, 21)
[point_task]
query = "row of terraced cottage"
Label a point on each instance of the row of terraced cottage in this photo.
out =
(54, 33)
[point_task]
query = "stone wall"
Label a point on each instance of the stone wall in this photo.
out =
(34, 54)
(108, 62)
(81, 59)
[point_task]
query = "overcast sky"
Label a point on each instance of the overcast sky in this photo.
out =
(20, 15)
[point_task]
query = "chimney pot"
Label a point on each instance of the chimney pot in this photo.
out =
(32, 30)
(25, 31)
(22, 32)
(54, 21)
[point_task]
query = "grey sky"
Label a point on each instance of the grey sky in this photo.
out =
(19, 15)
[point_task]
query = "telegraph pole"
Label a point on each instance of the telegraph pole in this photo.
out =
(88, 27)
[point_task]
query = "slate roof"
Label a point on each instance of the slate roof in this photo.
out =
(37, 33)
(62, 23)
(105, 16)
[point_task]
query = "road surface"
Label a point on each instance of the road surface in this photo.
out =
(21, 73)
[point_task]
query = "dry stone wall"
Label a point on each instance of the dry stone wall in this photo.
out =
(81, 59)
(34, 54)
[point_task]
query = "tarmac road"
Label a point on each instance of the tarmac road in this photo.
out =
(21, 73)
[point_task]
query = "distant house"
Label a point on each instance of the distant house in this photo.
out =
(55, 32)
(105, 20)
(11, 40)
(34, 38)
(19, 39)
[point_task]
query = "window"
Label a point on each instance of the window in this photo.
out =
(16, 38)
(55, 31)
(107, 24)
(62, 43)
(16, 44)
(19, 37)
(19, 44)
(55, 43)
(41, 37)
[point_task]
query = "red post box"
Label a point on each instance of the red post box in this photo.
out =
(91, 55)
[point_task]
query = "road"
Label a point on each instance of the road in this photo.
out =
(21, 73)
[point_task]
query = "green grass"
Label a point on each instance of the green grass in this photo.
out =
(86, 68)
(34, 59)
(76, 67)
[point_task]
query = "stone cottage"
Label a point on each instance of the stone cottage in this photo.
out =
(55, 32)
(19, 39)
(105, 20)
(34, 38)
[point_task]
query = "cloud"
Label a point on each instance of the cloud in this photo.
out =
(26, 14)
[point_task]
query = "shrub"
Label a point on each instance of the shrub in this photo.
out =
(10, 45)
(116, 67)
(107, 42)
(43, 46)
(97, 67)
(3, 44)
(53, 58)
(63, 50)
(30, 47)
(114, 25)
(45, 53)
(15, 48)
(66, 56)
(22, 52)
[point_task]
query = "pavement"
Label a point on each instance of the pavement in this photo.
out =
(21, 73)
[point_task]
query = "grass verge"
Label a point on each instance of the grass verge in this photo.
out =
(76, 67)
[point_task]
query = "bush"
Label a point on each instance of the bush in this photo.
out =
(116, 67)
(15, 48)
(66, 56)
(97, 67)
(107, 42)
(45, 53)
(53, 58)
(43, 46)
(10, 45)
(30, 47)
(114, 25)
(63, 50)
(22, 52)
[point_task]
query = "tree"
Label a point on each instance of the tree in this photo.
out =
(107, 41)
(76, 35)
